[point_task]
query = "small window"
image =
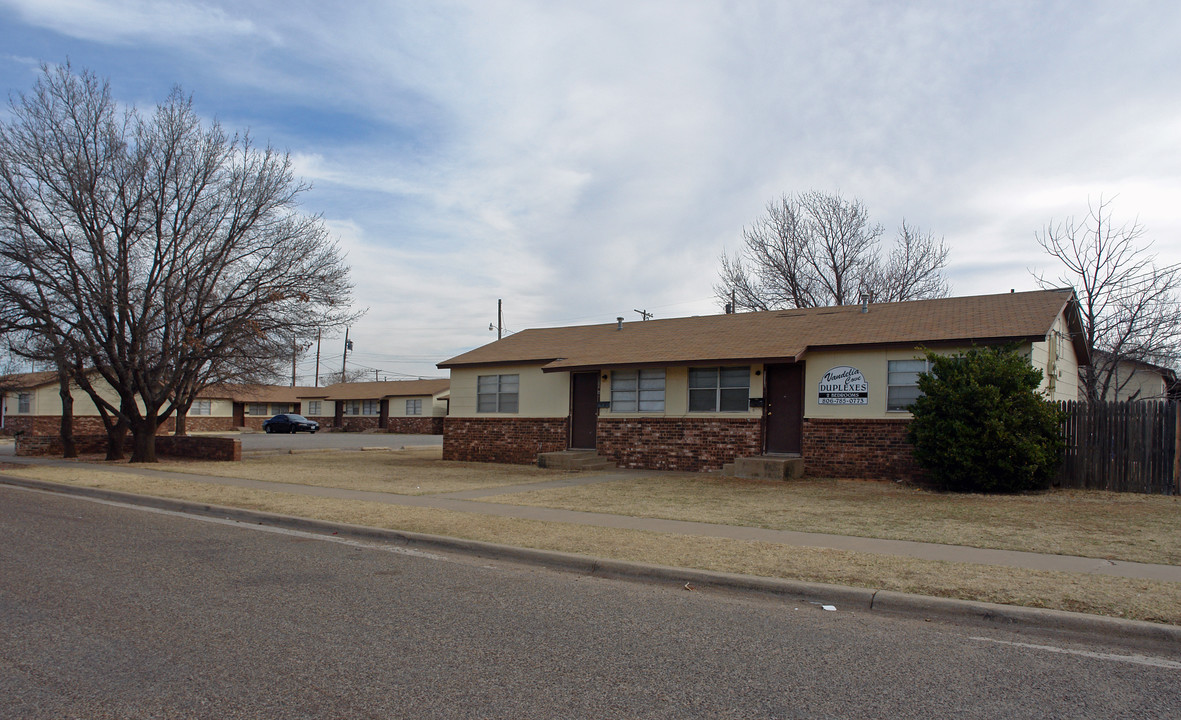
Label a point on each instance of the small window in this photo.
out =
(280, 408)
(258, 409)
(498, 393)
(719, 389)
(902, 385)
(352, 407)
(414, 407)
(637, 391)
(314, 407)
(201, 407)
(24, 402)
(368, 407)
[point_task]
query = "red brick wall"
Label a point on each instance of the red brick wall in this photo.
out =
(502, 440)
(687, 444)
(357, 423)
(202, 448)
(416, 425)
(866, 449)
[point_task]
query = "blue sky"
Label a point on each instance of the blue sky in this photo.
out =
(583, 160)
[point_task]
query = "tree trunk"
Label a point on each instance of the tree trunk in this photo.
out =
(116, 434)
(69, 447)
(179, 428)
(144, 445)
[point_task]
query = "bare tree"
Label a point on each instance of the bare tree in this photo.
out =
(813, 249)
(1130, 306)
(162, 249)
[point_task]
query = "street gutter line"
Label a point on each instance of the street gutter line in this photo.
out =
(1110, 657)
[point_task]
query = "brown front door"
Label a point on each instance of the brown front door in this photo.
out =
(584, 409)
(784, 408)
(239, 414)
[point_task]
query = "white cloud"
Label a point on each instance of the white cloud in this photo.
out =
(584, 160)
(126, 21)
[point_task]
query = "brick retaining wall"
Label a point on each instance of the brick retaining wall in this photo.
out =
(93, 425)
(863, 449)
(502, 440)
(686, 444)
(200, 448)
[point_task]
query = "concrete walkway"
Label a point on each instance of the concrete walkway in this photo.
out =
(469, 501)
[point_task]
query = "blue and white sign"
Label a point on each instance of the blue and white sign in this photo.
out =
(844, 385)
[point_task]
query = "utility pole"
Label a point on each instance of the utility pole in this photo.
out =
(499, 320)
(294, 352)
(644, 314)
(317, 357)
(344, 363)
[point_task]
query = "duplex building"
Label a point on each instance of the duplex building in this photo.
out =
(829, 385)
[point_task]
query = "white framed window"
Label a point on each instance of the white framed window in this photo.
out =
(414, 407)
(257, 409)
(201, 407)
(719, 389)
(360, 407)
(313, 407)
(637, 391)
(24, 403)
(902, 383)
(498, 393)
(280, 408)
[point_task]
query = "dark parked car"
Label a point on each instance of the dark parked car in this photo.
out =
(290, 423)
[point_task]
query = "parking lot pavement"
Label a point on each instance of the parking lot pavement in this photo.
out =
(332, 440)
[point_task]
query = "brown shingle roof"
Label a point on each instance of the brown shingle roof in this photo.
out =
(26, 381)
(375, 390)
(254, 393)
(784, 335)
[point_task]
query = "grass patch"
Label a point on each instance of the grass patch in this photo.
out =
(413, 471)
(1119, 597)
(1116, 526)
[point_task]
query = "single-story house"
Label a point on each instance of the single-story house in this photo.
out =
(402, 406)
(1135, 379)
(829, 385)
(229, 406)
(31, 403)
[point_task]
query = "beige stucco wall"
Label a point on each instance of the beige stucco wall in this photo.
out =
(46, 401)
(431, 406)
(218, 407)
(327, 408)
(1139, 382)
(1056, 358)
(1055, 355)
(540, 394)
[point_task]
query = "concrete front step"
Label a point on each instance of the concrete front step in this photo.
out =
(766, 467)
(573, 460)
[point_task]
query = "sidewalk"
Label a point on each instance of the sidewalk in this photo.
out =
(470, 502)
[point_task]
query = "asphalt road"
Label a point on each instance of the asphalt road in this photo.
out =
(112, 612)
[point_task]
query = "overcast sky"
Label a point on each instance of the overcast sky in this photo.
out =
(582, 160)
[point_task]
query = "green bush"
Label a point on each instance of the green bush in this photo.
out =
(982, 426)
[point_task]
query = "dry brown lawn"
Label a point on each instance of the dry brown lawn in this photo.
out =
(413, 471)
(1117, 526)
(1118, 597)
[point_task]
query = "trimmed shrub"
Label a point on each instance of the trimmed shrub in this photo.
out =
(982, 426)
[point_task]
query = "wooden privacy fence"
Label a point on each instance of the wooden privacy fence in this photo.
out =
(1122, 446)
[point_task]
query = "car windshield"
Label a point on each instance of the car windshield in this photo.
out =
(296, 418)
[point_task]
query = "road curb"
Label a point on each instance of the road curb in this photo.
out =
(1071, 625)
